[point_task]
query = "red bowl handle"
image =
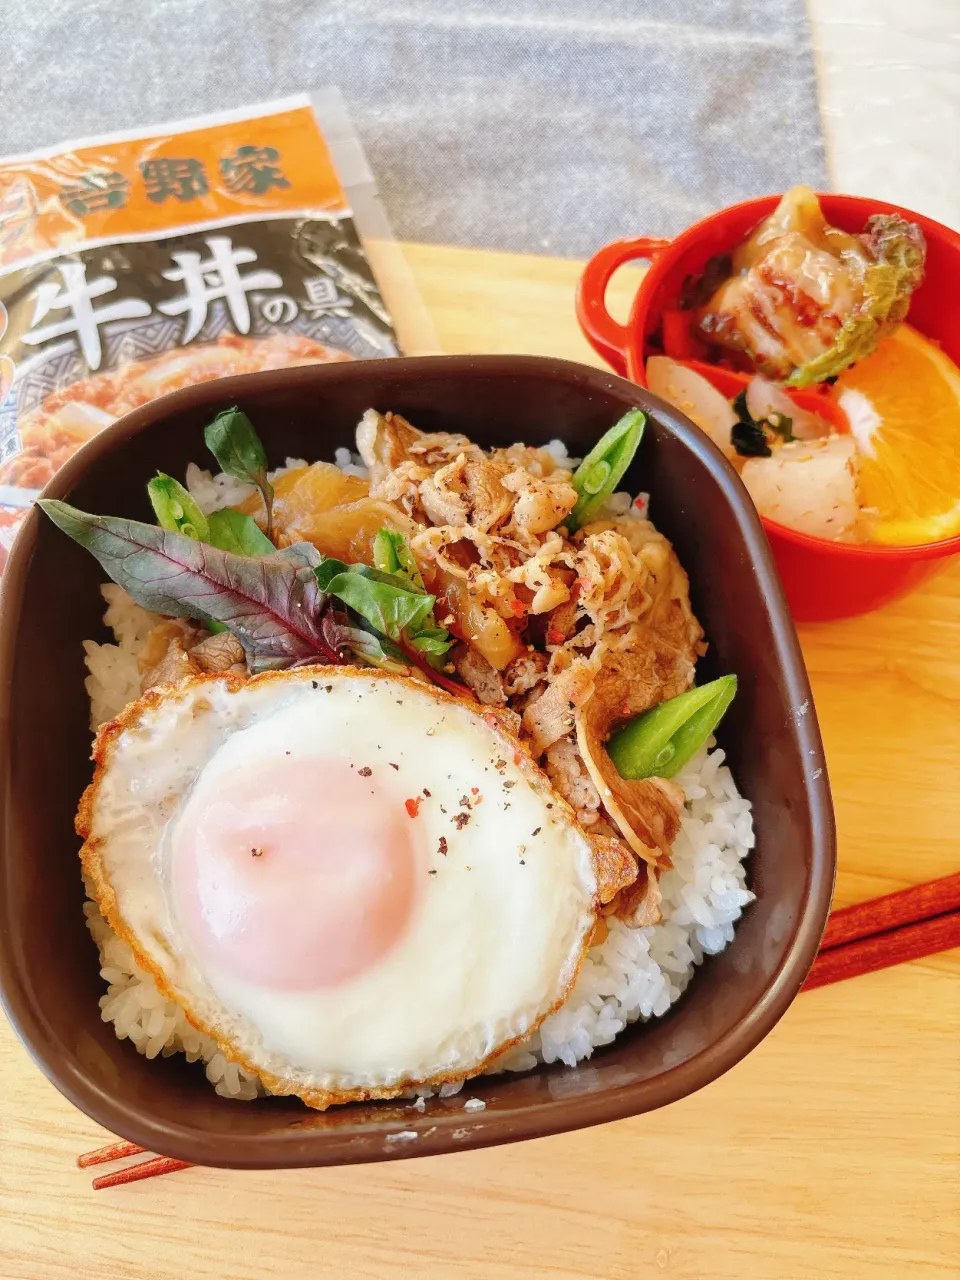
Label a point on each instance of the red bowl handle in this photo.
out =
(608, 338)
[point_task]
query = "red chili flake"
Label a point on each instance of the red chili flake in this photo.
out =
(442, 847)
(517, 608)
(491, 720)
(479, 800)
(392, 765)
(460, 820)
(475, 791)
(365, 772)
(517, 757)
(413, 806)
(426, 793)
(554, 636)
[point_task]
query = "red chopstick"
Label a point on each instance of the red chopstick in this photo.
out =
(112, 1151)
(893, 911)
(149, 1168)
(886, 931)
(883, 950)
(136, 1172)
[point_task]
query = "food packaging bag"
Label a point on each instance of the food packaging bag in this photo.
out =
(137, 264)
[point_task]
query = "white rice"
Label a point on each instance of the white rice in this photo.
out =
(212, 492)
(634, 974)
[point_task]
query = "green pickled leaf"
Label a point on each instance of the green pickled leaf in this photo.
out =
(897, 252)
(602, 469)
(661, 741)
(232, 439)
(272, 604)
(175, 508)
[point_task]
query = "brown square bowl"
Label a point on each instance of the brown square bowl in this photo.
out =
(51, 602)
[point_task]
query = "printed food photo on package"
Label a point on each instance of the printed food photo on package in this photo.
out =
(136, 265)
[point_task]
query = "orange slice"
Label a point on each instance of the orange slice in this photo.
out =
(903, 404)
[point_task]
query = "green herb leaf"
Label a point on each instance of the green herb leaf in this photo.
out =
(391, 609)
(327, 569)
(231, 530)
(600, 472)
(175, 508)
(233, 441)
(390, 597)
(392, 555)
(272, 604)
(750, 440)
(661, 741)
(374, 648)
(432, 640)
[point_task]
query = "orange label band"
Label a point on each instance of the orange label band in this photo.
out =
(151, 184)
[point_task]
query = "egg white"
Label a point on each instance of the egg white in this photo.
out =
(500, 926)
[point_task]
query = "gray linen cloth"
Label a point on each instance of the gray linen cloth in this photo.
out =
(546, 126)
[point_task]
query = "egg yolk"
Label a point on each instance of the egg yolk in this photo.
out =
(295, 874)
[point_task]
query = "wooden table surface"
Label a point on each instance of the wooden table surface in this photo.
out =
(832, 1151)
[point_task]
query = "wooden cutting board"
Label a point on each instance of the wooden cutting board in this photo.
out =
(830, 1152)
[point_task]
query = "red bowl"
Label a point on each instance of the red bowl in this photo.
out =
(823, 580)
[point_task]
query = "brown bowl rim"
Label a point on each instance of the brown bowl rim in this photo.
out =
(301, 1148)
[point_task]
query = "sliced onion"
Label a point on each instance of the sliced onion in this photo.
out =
(693, 395)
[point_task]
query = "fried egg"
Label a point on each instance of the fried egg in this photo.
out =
(354, 882)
